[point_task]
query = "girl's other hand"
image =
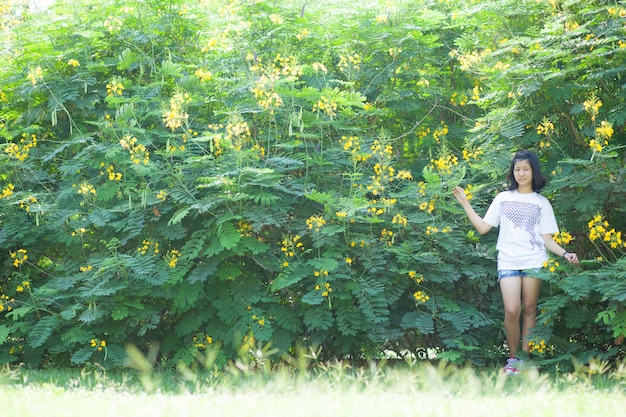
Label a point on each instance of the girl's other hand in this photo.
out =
(571, 258)
(459, 194)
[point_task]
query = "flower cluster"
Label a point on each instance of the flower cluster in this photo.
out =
(203, 75)
(458, 100)
(24, 286)
(431, 230)
(85, 189)
(592, 106)
(238, 132)
(276, 19)
(603, 134)
(138, 152)
(148, 245)
(394, 51)
(325, 288)
(19, 257)
(265, 95)
(25, 203)
(399, 219)
(350, 62)
(113, 24)
(418, 278)
(73, 63)
(176, 115)
(162, 195)
(440, 132)
(200, 341)
(259, 320)
(34, 75)
(7, 191)
(315, 222)
(537, 347)
(291, 245)
(98, 344)
(6, 303)
(304, 33)
(600, 229)
(287, 66)
(562, 238)
(244, 227)
(115, 87)
(445, 163)
(421, 296)
(545, 128)
(551, 265)
(21, 150)
(110, 173)
(353, 144)
(387, 236)
(172, 257)
(327, 106)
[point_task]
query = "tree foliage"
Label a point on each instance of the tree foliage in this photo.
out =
(177, 174)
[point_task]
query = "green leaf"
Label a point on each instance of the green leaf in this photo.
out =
(228, 235)
(42, 330)
(171, 69)
(318, 318)
(82, 355)
(287, 278)
(5, 331)
(313, 297)
(179, 216)
(120, 312)
(419, 320)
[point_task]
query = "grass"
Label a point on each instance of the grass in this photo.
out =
(333, 389)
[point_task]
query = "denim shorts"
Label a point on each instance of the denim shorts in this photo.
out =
(507, 273)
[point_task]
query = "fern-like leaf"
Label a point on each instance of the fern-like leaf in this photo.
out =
(42, 330)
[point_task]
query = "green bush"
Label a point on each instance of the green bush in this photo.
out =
(177, 174)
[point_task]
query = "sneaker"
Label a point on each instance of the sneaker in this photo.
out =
(514, 366)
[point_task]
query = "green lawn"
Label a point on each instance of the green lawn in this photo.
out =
(335, 390)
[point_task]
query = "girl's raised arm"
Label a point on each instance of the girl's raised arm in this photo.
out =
(477, 221)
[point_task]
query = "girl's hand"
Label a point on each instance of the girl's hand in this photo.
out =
(459, 194)
(571, 258)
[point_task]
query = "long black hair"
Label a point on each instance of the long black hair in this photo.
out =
(538, 180)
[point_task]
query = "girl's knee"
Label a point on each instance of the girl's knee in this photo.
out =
(530, 308)
(512, 313)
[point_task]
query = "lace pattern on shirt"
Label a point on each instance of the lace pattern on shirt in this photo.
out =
(524, 216)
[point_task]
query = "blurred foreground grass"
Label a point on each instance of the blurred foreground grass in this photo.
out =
(305, 389)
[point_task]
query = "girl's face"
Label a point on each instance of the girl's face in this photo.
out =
(523, 173)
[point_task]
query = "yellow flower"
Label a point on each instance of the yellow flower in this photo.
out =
(604, 131)
(545, 127)
(562, 238)
(276, 19)
(8, 191)
(203, 75)
(172, 257)
(73, 63)
(35, 74)
(421, 296)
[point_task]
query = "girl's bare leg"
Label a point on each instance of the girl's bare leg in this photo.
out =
(530, 295)
(511, 288)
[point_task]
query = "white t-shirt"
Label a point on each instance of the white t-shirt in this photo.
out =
(522, 219)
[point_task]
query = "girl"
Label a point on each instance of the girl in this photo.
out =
(527, 223)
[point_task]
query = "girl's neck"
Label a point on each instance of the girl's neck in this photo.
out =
(525, 189)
